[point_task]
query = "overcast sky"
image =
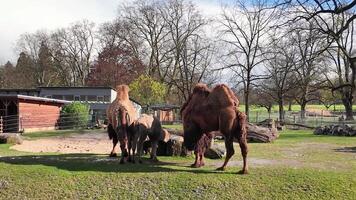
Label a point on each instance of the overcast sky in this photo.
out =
(21, 16)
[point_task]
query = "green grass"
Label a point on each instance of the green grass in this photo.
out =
(300, 166)
(54, 133)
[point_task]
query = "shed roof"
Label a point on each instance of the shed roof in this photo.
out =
(33, 98)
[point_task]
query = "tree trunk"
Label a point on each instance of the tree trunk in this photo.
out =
(302, 110)
(247, 109)
(281, 110)
(290, 106)
(347, 101)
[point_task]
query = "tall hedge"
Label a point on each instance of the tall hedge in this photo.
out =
(74, 115)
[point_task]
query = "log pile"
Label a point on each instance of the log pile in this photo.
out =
(336, 130)
(261, 134)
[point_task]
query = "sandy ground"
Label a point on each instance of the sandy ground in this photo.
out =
(96, 143)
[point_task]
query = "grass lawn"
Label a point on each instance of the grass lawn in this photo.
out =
(298, 165)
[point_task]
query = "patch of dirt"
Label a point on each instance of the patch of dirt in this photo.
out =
(318, 112)
(96, 143)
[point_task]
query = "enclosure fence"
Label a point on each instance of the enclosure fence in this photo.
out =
(311, 119)
(20, 123)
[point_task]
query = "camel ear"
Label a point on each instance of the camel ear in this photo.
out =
(166, 135)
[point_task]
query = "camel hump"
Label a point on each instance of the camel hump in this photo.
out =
(222, 96)
(145, 120)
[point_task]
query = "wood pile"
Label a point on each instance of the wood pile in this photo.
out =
(261, 134)
(336, 130)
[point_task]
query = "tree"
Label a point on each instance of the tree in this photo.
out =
(280, 67)
(243, 28)
(73, 50)
(115, 66)
(310, 46)
(147, 91)
(191, 51)
(24, 72)
(334, 20)
(7, 75)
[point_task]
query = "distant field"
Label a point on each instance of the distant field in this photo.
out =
(254, 108)
(298, 165)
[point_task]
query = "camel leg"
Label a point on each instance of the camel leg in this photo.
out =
(244, 151)
(124, 153)
(114, 143)
(140, 146)
(154, 151)
(134, 145)
(229, 152)
(196, 162)
(202, 163)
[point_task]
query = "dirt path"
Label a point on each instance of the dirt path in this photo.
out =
(97, 143)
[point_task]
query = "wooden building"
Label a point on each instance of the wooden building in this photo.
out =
(29, 113)
(166, 113)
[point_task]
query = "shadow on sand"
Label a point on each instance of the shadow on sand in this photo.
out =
(346, 149)
(100, 163)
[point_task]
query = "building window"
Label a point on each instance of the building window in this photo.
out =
(107, 98)
(83, 98)
(48, 96)
(76, 98)
(100, 98)
(57, 96)
(68, 97)
(92, 98)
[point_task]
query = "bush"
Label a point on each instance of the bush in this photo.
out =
(74, 115)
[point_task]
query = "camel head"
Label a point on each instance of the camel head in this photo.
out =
(192, 134)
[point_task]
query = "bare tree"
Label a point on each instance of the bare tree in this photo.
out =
(75, 46)
(310, 46)
(244, 28)
(341, 76)
(280, 67)
(191, 52)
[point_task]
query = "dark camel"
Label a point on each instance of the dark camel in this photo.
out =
(215, 110)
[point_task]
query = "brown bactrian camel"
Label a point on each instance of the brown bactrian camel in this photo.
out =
(121, 114)
(148, 126)
(215, 110)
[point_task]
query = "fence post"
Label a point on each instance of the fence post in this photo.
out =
(1, 125)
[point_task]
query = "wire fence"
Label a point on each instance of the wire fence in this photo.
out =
(22, 123)
(311, 119)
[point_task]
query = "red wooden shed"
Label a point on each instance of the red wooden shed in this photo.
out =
(29, 113)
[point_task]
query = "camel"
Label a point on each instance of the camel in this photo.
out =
(148, 125)
(121, 115)
(209, 110)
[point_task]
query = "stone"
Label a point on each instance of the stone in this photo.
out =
(216, 151)
(10, 138)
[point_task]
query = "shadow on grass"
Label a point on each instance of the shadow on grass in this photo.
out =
(99, 163)
(346, 149)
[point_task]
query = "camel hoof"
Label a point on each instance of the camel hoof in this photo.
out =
(113, 155)
(195, 165)
(243, 172)
(129, 159)
(221, 169)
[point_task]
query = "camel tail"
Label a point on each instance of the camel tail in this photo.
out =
(241, 124)
(111, 132)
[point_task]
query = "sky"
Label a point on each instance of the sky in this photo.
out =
(28, 16)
